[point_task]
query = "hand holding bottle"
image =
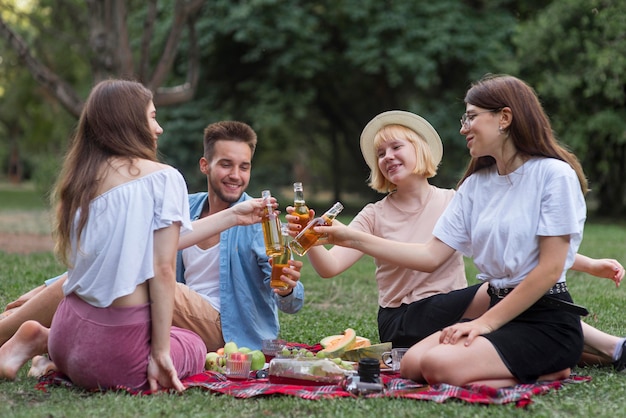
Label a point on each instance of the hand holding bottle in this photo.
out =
(250, 211)
(336, 234)
(290, 275)
(294, 226)
(271, 227)
(309, 236)
(300, 209)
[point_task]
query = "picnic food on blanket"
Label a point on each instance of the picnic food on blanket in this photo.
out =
(307, 371)
(212, 361)
(216, 360)
(358, 342)
(336, 345)
(271, 347)
(352, 347)
(230, 347)
(373, 351)
(238, 365)
(258, 360)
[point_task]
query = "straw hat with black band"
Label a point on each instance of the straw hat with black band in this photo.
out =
(399, 117)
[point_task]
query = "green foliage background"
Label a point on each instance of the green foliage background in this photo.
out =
(309, 75)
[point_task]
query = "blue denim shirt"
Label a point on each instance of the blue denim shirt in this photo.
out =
(249, 307)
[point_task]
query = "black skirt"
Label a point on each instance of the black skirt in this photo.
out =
(408, 324)
(539, 341)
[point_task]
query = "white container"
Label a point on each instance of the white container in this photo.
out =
(306, 371)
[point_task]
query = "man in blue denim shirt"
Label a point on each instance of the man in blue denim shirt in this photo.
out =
(227, 296)
(230, 272)
(248, 307)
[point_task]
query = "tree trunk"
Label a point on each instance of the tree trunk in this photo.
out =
(113, 57)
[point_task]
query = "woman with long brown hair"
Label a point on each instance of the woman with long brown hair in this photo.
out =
(119, 216)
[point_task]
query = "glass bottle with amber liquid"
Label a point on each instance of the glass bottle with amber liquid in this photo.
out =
(300, 209)
(271, 228)
(307, 237)
(281, 261)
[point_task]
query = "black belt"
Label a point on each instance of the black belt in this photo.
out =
(546, 300)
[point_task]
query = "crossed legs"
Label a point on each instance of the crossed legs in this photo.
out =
(40, 308)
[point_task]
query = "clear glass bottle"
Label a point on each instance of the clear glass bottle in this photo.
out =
(301, 210)
(271, 228)
(281, 261)
(307, 237)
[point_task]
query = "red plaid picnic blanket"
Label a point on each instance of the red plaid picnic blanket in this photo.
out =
(395, 387)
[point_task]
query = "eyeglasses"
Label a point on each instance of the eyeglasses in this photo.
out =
(467, 118)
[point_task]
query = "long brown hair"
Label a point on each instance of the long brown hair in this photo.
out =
(113, 123)
(530, 129)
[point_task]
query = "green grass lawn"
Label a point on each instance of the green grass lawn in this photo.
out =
(331, 306)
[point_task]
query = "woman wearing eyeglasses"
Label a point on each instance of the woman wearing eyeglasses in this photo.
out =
(519, 212)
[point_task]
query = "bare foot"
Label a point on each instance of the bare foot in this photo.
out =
(41, 365)
(560, 375)
(30, 340)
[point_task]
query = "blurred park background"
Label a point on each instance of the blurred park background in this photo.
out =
(308, 75)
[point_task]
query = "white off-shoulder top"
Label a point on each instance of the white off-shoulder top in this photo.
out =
(116, 248)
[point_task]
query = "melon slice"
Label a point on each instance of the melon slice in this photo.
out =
(326, 341)
(335, 347)
(361, 342)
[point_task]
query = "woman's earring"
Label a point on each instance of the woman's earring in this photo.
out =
(500, 130)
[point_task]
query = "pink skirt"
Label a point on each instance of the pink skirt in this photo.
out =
(99, 348)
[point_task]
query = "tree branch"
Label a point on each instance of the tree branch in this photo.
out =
(146, 39)
(43, 75)
(165, 96)
(124, 53)
(184, 10)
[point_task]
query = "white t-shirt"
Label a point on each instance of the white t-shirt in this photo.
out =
(497, 220)
(202, 272)
(117, 245)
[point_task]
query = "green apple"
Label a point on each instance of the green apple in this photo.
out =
(212, 361)
(230, 347)
(258, 360)
(244, 350)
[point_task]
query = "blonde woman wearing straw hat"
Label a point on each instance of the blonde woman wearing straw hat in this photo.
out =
(403, 151)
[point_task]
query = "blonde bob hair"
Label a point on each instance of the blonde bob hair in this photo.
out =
(424, 166)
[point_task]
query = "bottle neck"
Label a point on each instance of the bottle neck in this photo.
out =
(332, 212)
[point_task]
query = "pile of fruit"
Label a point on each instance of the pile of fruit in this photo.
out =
(334, 348)
(303, 353)
(216, 360)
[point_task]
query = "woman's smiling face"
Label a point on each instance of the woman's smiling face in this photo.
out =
(481, 131)
(396, 159)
